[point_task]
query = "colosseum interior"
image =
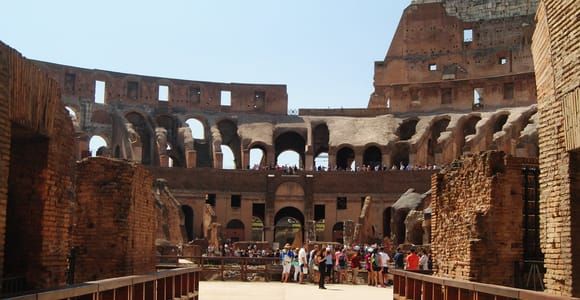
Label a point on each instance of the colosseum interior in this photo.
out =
(457, 91)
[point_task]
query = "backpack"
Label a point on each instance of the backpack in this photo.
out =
(342, 260)
(374, 261)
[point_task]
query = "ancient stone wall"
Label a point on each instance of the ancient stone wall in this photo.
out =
(556, 49)
(477, 10)
(115, 220)
(437, 61)
(170, 219)
(120, 88)
(37, 167)
(477, 218)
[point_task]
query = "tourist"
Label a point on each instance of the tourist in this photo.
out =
(329, 264)
(355, 264)
(341, 265)
(312, 263)
(303, 263)
(375, 267)
(286, 256)
(384, 272)
(368, 265)
(423, 260)
(296, 264)
(412, 261)
(399, 259)
(320, 258)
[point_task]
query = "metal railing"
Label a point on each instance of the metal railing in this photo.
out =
(228, 267)
(181, 283)
(416, 286)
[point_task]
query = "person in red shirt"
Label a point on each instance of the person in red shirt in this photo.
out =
(412, 261)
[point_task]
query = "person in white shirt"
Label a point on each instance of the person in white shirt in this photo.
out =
(384, 263)
(424, 261)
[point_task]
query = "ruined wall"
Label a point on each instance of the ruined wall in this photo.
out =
(121, 88)
(432, 66)
(115, 227)
(556, 49)
(36, 167)
(170, 219)
(477, 218)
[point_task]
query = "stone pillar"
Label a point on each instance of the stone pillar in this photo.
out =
(270, 157)
(191, 158)
(218, 158)
(309, 161)
(163, 160)
(358, 158)
(386, 160)
(246, 159)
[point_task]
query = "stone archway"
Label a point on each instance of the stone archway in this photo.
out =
(288, 225)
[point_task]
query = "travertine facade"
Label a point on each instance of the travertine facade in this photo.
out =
(556, 49)
(477, 218)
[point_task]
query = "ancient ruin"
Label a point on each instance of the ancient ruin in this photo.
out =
(444, 155)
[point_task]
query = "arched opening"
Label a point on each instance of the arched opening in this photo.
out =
(97, 146)
(228, 158)
(169, 158)
(257, 158)
(229, 133)
(387, 222)
(500, 122)
(400, 156)
(257, 229)
(197, 128)
(345, 159)
(468, 128)
(289, 158)
(289, 222)
(188, 221)
(321, 161)
(407, 129)
(234, 231)
(320, 138)
(373, 157)
(338, 232)
(171, 126)
(143, 146)
(291, 141)
(436, 130)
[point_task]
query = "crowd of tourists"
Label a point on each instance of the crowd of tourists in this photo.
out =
(364, 168)
(341, 264)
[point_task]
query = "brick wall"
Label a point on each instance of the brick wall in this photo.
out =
(114, 228)
(31, 115)
(556, 50)
(477, 218)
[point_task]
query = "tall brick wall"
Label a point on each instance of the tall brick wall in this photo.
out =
(41, 179)
(170, 218)
(114, 227)
(477, 218)
(556, 51)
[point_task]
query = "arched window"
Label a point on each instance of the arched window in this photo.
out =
(197, 128)
(345, 159)
(321, 161)
(228, 159)
(257, 158)
(289, 158)
(96, 145)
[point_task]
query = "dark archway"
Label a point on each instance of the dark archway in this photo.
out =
(468, 128)
(344, 158)
(229, 133)
(234, 231)
(373, 157)
(400, 156)
(171, 125)
(143, 129)
(288, 221)
(407, 129)
(387, 222)
(188, 221)
(338, 232)
(500, 122)
(291, 141)
(436, 129)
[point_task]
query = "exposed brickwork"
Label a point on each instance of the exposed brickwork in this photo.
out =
(41, 137)
(556, 49)
(114, 227)
(170, 219)
(477, 218)
(477, 10)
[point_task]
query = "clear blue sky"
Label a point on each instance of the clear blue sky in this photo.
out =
(323, 50)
